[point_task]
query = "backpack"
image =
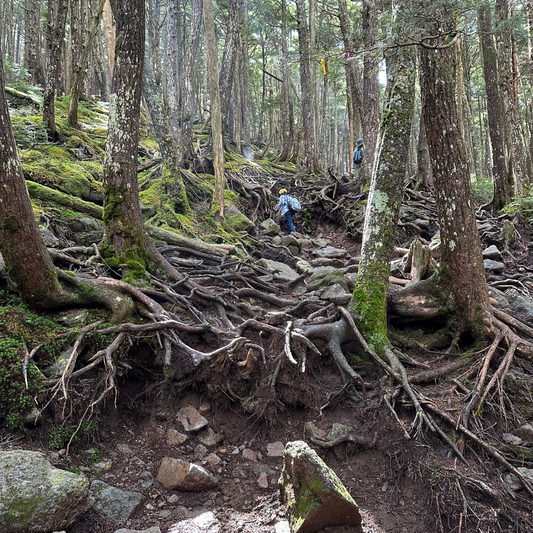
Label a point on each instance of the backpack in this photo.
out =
(293, 204)
(358, 156)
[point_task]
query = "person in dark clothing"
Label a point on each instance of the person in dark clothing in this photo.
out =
(358, 157)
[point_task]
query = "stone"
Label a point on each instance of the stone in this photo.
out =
(509, 438)
(213, 459)
(493, 253)
(422, 223)
(275, 318)
(325, 261)
(518, 386)
(262, 481)
(303, 267)
(200, 451)
(330, 252)
(513, 483)
(205, 408)
(33, 418)
(526, 472)
(113, 503)
(102, 466)
(237, 220)
(281, 271)
(35, 496)
(521, 307)
(525, 433)
(269, 227)
(208, 438)
(336, 294)
(49, 238)
(239, 472)
(314, 496)
(282, 527)
(290, 240)
(191, 419)
(324, 277)
(175, 438)
(319, 243)
(182, 475)
(153, 529)
(125, 449)
(74, 316)
(250, 455)
(275, 449)
(495, 266)
(311, 430)
(337, 430)
(204, 523)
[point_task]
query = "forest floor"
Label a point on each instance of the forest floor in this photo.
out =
(402, 485)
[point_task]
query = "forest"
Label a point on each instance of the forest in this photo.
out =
(154, 313)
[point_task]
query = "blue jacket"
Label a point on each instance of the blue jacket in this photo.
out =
(283, 204)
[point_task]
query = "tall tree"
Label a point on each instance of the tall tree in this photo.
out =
(57, 16)
(494, 108)
(461, 269)
(385, 196)
(286, 109)
(308, 112)
(32, 55)
(518, 165)
(126, 243)
(214, 93)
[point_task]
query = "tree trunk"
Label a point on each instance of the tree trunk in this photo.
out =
(126, 243)
(32, 56)
(425, 173)
(495, 115)
(81, 67)
(310, 162)
(231, 44)
(385, 198)
(27, 260)
(109, 36)
(214, 93)
(187, 108)
(518, 164)
(370, 112)
(461, 268)
(57, 16)
(287, 123)
(246, 110)
(172, 66)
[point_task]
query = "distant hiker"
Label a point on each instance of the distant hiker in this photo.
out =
(358, 157)
(287, 206)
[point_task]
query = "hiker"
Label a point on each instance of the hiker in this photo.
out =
(358, 157)
(287, 206)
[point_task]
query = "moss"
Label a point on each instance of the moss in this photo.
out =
(11, 225)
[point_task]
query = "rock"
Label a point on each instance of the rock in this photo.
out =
(213, 459)
(324, 261)
(200, 451)
(33, 418)
(208, 437)
(102, 466)
(154, 529)
(75, 316)
(521, 306)
(191, 419)
(337, 430)
(519, 386)
(204, 523)
(314, 496)
(239, 472)
(49, 238)
(125, 449)
(525, 433)
(275, 449)
(275, 318)
(303, 267)
(282, 527)
(336, 294)
(290, 240)
(311, 430)
(319, 243)
(250, 455)
(495, 266)
(509, 438)
(330, 252)
(422, 223)
(237, 220)
(512, 482)
(175, 438)
(36, 496)
(493, 253)
(113, 503)
(205, 408)
(324, 277)
(182, 475)
(281, 271)
(262, 482)
(269, 227)
(526, 472)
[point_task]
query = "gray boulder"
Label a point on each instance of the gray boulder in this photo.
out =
(49, 238)
(35, 496)
(495, 266)
(269, 227)
(116, 504)
(493, 253)
(521, 306)
(154, 529)
(191, 419)
(281, 271)
(237, 220)
(314, 496)
(336, 294)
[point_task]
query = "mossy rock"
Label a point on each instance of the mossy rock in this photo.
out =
(327, 277)
(237, 221)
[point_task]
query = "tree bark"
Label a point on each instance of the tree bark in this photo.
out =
(287, 122)
(109, 36)
(32, 57)
(461, 268)
(214, 92)
(495, 116)
(310, 162)
(57, 16)
(385, 198)
(518, 164)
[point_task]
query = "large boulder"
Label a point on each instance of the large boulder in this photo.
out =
(314, 496)
(35, 496)
(281, 271)
(237, 220)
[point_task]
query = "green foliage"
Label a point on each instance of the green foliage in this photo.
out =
(60, 436)
(482, 189)
(522, 205)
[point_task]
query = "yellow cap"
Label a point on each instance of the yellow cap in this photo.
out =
(282, 191)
